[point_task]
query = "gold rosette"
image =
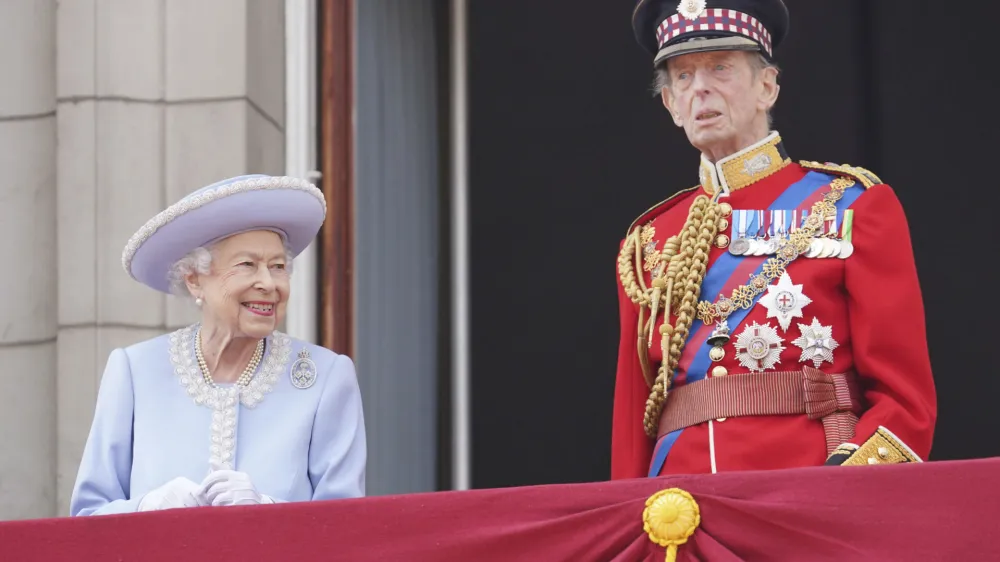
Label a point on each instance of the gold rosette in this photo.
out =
(670, 518)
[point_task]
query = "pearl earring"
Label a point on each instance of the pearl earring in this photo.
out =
(198, 301)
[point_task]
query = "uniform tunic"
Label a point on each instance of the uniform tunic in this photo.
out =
(870, 302)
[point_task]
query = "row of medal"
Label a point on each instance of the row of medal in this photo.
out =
(758, 232)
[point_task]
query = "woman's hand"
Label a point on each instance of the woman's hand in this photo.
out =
(229, 487)
(179, 492)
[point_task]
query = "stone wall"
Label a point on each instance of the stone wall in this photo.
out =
(120, 108)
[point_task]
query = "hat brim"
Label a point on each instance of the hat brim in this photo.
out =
(290, 206)
(705, 44)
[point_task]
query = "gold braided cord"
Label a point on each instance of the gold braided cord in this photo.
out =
(696, 240)
(626, 270)
(676, 286)
(635, 289)
(673, 276)
(630, 255)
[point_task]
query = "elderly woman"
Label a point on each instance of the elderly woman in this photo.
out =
(229, 410)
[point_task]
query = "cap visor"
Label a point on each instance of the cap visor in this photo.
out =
(702, 45)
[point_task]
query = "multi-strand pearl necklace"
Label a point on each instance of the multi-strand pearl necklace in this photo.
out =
(247, 374)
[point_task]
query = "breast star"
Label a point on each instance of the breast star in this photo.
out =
(784, 301)
(817, 343)
(759, 348)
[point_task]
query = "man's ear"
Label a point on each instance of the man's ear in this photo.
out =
(769, 88)
(669, 102)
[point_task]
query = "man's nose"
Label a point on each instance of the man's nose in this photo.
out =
(700, 82)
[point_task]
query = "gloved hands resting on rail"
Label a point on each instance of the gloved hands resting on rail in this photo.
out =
(179, 492)
(229, 487)
(221, 487)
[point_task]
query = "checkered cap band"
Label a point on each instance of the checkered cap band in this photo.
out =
(715, 19)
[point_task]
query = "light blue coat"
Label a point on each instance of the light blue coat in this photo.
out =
(299, 438)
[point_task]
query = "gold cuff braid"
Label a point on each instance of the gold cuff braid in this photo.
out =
(881, 448)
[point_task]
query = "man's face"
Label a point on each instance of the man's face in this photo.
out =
(719, 100)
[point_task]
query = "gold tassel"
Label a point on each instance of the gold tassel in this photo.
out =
(654, 308)
(647, 373)
(662, 279)
(670, 294)
(671, 274)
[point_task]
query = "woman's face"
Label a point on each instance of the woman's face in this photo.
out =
(247, 290)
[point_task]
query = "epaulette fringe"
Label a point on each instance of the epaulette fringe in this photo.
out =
(863, 176)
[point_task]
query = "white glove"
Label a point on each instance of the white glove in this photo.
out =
(229, 487)
(179, 492)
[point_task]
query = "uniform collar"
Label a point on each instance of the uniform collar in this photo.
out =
(745, 167)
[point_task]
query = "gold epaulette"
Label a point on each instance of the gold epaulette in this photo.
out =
(650, 211)
(865, 177)
(881, 448)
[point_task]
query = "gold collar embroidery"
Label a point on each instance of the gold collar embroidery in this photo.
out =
(745, 167)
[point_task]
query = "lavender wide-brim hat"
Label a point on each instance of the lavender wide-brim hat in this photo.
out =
(292, 207)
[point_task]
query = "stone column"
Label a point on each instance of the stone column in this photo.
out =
(110, 127)
(27, 236)
(156, 99)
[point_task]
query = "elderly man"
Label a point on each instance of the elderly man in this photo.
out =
(771, 317)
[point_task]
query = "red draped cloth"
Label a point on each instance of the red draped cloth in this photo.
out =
(927, 512)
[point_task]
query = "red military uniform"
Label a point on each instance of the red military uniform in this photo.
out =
(848, 305)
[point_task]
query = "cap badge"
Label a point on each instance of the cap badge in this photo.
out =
(691, 9)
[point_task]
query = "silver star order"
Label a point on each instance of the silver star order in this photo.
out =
(817, 343)
(758, 347)
(784, 301)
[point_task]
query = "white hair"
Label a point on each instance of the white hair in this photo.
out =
(199, 262)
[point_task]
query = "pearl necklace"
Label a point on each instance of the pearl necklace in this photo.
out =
(247, 374)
